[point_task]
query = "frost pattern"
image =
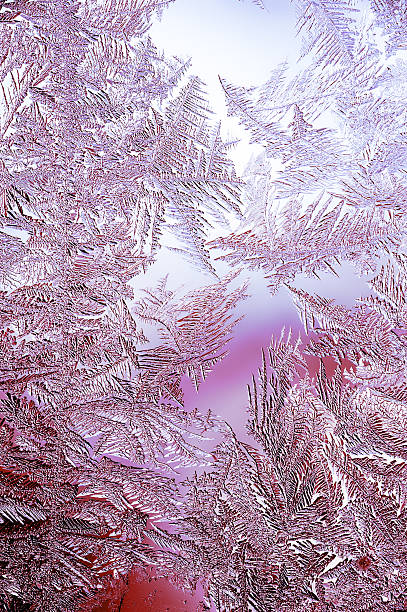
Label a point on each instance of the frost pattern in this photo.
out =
(106, 149)
(107, 153)
(330, 184)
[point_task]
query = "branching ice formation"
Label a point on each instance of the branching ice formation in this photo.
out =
(107, 151)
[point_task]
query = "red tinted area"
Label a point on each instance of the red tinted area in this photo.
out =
(147, 593)
(364, 563)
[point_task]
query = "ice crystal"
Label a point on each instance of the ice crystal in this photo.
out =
(108, 153)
